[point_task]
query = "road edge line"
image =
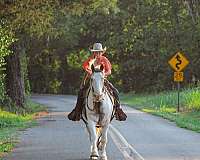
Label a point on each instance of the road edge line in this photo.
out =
(126, 149)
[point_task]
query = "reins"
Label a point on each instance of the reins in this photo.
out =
(87, 99)
(104, 91)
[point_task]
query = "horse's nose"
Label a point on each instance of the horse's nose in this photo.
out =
(97, 95)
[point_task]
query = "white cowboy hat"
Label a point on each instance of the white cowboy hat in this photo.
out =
(97, 47)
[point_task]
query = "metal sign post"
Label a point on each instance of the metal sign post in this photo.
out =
(178, 77)
(178, 62)
(178, 107)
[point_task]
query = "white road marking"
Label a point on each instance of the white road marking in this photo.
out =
(126, 149)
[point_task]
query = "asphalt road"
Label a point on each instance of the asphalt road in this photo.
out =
(142, 136)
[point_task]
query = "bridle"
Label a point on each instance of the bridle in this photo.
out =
(97, 98)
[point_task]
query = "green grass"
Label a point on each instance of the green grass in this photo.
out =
(29, 108)
(164, 105)
(7, 139)
(12, 122)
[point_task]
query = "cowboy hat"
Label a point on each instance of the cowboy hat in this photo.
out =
(97, 47)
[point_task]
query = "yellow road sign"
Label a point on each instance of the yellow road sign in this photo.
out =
(178, 76)
(178, 62)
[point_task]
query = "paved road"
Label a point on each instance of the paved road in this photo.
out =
(142, 136)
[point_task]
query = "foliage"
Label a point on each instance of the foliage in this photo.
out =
(24, 67)
(167, 101)
(191, 98)
(6, 140)
(47, 68)
(141, 36)
(75, 60)
(54, 86)
(6, 38)
(8, 119)
(31, 17)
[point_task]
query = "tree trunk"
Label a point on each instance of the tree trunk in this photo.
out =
(14, 78)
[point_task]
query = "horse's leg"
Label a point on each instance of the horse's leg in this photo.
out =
(93, 140)
(103, 142)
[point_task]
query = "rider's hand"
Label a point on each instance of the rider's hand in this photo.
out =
(93, 56)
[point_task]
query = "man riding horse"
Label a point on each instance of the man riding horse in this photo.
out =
(97, 60)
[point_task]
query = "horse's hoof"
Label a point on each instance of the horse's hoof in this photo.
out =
(94, 157)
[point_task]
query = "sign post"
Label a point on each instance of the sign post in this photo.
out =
(178, 107)
(178, 62)
(178, 77)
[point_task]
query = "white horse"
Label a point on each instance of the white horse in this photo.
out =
(97, 114)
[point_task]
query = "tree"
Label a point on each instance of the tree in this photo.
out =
(24, 19)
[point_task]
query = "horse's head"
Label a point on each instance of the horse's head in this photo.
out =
(97, 82)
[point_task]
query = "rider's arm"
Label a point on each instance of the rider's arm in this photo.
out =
(86, 65)
(107, 67)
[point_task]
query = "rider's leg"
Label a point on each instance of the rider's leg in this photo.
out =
(75, 115)
(120, 115)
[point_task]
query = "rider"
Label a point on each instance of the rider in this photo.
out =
(97, 59)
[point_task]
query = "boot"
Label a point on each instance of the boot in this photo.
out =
(119, 113)
(75, 115)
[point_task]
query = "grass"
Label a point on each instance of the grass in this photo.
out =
(164, 104)
(12, 122)
(7, 139)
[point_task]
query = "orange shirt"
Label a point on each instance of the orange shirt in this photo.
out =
(101, 60)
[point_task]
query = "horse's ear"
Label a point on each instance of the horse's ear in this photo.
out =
(101, 67)
(93, 69)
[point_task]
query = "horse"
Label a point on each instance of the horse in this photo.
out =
(97, 114)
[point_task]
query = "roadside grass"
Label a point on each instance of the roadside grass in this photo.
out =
(164, 105)
(12, 122)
